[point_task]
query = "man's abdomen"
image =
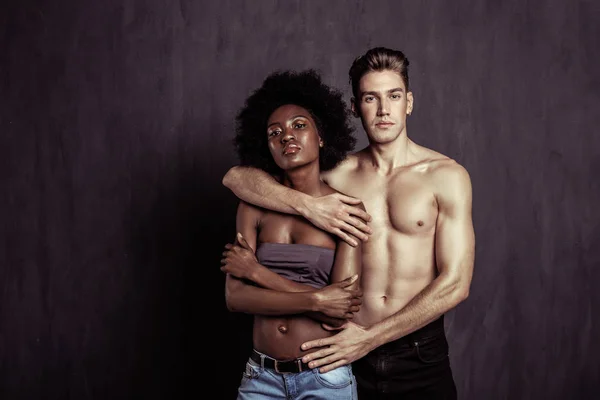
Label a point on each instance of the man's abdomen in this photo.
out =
(395, 269)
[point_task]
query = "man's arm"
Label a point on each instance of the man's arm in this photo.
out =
(335, 213)
(454, 249)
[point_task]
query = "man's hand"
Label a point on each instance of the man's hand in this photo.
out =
(239, 258)
(340, 215)
(339, 301)
(351, 343)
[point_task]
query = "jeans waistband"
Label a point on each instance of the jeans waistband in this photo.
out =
(432, 329)
(283, 367)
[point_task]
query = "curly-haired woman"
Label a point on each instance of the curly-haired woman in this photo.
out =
(298, 281)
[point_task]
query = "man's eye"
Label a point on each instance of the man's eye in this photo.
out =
(369, 99)
(396, 96)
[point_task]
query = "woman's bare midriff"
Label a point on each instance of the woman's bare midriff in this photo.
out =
(281, 337)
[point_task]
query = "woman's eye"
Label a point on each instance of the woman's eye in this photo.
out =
(300, 125)
(274, 133)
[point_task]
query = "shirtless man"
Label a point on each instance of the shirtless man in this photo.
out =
(417, 261)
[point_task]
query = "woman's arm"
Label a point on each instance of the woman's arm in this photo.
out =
(348, 262)
(243, 297)
(239, 260)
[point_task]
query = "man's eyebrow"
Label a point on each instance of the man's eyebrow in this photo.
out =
(373, 93)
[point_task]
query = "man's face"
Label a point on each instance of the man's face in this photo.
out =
(382, 105)
(293, 137)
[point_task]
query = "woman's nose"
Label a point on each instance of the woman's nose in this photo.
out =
(287, 136)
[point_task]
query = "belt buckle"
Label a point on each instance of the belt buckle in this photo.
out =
(298, 363)
(277, 369)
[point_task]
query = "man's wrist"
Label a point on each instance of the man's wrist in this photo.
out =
(376, 336)
(303, 204)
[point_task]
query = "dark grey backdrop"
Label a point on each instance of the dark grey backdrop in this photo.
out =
(116, 120)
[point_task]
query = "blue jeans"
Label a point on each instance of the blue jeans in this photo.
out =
(264, 383)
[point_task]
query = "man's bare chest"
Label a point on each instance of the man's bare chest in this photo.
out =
(404, 203)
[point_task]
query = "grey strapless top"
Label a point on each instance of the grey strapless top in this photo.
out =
(302, 263)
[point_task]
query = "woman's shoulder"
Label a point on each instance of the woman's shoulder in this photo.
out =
(245, 208)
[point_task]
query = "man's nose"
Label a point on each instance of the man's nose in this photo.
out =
(384, 107)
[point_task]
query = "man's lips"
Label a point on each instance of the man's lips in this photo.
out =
(384, 124)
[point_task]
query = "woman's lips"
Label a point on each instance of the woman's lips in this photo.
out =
(291, 149)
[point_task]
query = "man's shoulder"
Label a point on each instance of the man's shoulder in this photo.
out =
(449, 178)
(438, 165)
(440, 170)
(342, 169)
(447, 168)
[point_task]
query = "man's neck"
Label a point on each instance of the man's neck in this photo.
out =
(385, 157)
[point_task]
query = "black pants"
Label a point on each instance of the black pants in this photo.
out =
(413, 367)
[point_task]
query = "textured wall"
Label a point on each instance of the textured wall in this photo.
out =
(116, 120)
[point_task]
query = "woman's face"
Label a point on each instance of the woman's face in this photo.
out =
(293, 137)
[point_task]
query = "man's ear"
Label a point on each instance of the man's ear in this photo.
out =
(410, 103)
(353, 107)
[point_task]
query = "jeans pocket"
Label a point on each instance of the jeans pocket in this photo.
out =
(433, 349)
(253, 371)
(340, 377)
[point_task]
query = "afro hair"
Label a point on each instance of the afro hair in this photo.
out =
(304, 89)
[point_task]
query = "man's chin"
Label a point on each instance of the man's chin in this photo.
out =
(383, 136)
